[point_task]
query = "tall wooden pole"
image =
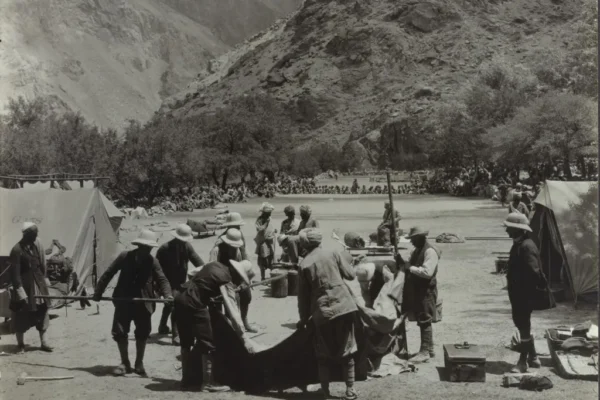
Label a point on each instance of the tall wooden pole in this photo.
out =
(393, 217)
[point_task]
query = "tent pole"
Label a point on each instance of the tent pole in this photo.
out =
(94, 260)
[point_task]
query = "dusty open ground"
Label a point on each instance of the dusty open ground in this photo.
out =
(476, 309)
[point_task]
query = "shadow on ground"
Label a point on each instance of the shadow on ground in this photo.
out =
(96, 370)
(163, 385)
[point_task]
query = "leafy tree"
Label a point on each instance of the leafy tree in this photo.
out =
(493, 98)
(557, 126)
(251, 134)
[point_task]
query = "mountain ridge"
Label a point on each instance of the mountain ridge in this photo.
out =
(115, 60)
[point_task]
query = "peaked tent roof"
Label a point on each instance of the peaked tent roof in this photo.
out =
(73, 217)
(574, 206)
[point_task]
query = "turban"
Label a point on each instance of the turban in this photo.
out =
(289, 210)
(266, 207)
(27, 225)
(305, 209)
(311, 237)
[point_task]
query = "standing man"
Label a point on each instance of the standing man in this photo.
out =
(384, 229)
(265, 239)
(195, 308)
(139, 271)
(420, 289)
(524, 276)
(307, 221)
(28, 276)
(228, 247)
(324, 297)
(174, 257)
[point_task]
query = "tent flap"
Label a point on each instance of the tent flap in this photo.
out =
(571, 207)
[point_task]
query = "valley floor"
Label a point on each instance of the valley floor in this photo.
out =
(476, 309)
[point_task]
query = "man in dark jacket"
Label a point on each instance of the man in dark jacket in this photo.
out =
(324, 297)
(28, 276)
(524, 276)
(174, 257)
(196, 305)
(420, 289)
(139, 271)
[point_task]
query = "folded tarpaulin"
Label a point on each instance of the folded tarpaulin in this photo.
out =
(293, 361)
(290, 363)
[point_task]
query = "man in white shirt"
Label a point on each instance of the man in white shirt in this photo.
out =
(420, 289)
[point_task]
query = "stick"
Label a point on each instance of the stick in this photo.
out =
(488, 238)
(393, 230)
(130, 299)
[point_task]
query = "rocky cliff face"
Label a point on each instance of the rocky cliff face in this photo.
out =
(114, 60)
(373, 71)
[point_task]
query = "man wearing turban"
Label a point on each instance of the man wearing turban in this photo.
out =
(28, 275)
(307, 220)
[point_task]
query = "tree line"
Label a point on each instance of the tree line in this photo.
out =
(546, 111)
(251, 135)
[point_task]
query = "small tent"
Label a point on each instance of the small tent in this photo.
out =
(114, 214)
(565, 228)
(76, 218)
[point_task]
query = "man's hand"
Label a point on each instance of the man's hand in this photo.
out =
(170, 297)
(301, 325)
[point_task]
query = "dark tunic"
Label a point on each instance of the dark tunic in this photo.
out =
(174, 257)
(193, 306)
(135, 280)
(420, 294)
(29, 272)
(524, 275)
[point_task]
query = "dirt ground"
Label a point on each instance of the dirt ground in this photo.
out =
(476, 310)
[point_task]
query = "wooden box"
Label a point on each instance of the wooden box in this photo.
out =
(464, 363)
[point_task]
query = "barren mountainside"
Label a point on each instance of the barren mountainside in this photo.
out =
(117, 59)
(359, 70)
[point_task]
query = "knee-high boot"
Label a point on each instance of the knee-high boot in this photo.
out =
(140, 347)
(163, 328)
(532, 359)
(323, 370)
(349, 375)
(188, 381)
(125, 366)
(209, 383)
(426, 339)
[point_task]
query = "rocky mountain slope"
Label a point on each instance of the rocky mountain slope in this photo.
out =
(355, 70)
(117, 59)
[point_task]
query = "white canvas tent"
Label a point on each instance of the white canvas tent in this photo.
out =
(76, 218)
(565, 228)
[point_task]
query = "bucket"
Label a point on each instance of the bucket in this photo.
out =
(279, 288)
(292, 281)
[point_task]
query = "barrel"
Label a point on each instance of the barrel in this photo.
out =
(292, 281)
(279, 287)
